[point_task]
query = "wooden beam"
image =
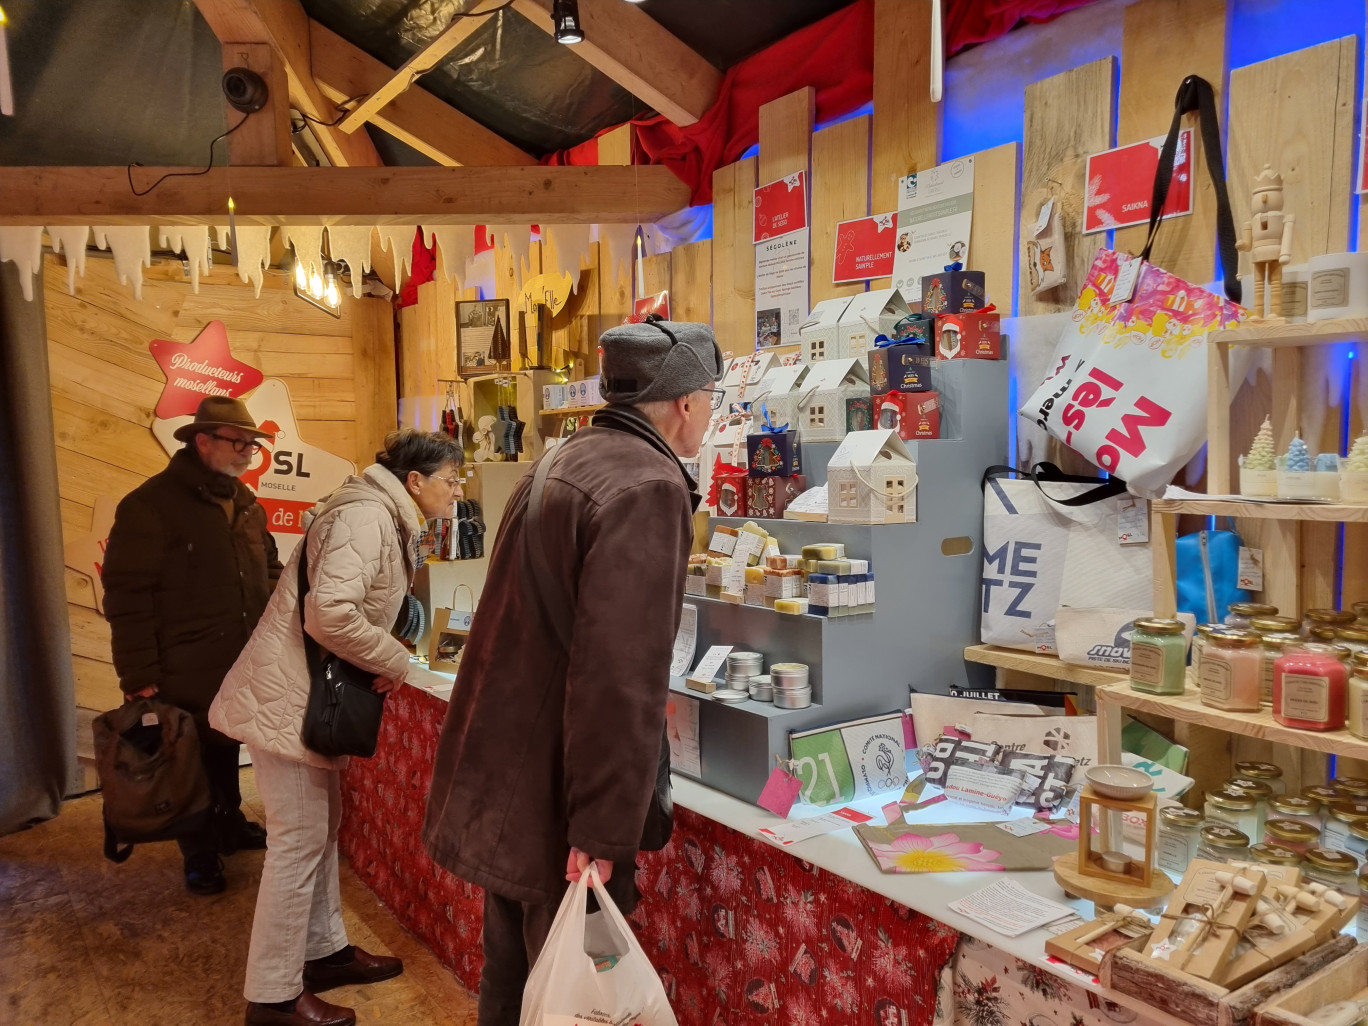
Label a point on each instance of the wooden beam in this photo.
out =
(463, 25)
(285, 27)
(340, 195)
(415, 117)
(639, 54)
(264, 138)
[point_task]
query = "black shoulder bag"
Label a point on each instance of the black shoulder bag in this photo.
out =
(343, 714)
(655, 833)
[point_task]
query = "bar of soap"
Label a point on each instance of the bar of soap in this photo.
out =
(790, 605)
(778, 562)
(833, 566)
(755, 575)
(859, 566)
(824, 551)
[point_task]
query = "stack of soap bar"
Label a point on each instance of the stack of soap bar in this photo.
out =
(833, 566)
(750, 543)
(755, 575)
(723, 541)
(778, 562)
(791, 605)
(755, 593)
(783, 584)
(823, 594)
(824, 550)
(696, 580)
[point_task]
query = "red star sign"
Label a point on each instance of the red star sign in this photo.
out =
(201, 368)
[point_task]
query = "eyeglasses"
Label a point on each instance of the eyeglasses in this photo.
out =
(719, 396)
(241, 444)
(451, 482)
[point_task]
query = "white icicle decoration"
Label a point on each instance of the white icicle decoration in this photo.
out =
(457, 245)
(617, 263)
(23, 244)
(254, 254)
(307, 242)
(351, 244)
(398, 240)
(567, 245)
(193, 241)
(131, 245)
(225, 237)
(517, 239)
(72, 240)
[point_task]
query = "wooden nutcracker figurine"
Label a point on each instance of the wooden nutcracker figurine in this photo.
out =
(1268, 239)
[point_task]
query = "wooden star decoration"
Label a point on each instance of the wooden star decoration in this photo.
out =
(200, 368)
(85, 554)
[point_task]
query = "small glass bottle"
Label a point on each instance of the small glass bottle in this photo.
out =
(1240, 614)
(1325, 618)
(1354, 638)
(1324, 795)
(1335, 869)
(1335, 833)
(1291, 834)
(1234, 809)
(1222, 843)
(1158, 657)
(1274, 854)
(1270, 647)
(1358, 703)
(1231, 668)
(1270, 773)
(1310, 688)
(1295, 807)
(1179, 834)
(1199, 642)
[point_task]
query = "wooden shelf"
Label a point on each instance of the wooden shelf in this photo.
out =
(1188, 708)
(1041, 665)
(1323, 511)
(1279, 336)
(572, 411)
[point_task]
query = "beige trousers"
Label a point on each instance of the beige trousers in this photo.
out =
(299, 908)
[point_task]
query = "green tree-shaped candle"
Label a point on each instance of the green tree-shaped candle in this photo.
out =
(1358, 455)
(1260, 455)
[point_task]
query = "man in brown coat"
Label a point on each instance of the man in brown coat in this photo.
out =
(551, 753)
(188, 572)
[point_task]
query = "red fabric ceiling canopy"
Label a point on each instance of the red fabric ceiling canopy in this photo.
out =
(834, 55)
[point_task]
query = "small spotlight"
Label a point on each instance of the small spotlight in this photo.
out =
(565, 19)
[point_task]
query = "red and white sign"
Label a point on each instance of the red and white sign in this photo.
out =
(864, 248)
(657, 304)
(781, 207)
(200, 368)
(1121, 182)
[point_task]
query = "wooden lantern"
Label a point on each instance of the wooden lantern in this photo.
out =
(1107, 861)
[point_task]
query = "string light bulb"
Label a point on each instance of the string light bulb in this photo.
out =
(301, 276)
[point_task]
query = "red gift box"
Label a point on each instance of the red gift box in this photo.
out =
(914, 415)
(731, 494)
(768, 497)
(975, 335)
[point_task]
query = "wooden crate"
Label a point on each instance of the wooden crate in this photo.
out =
(1201, 1003)
(1342, 979)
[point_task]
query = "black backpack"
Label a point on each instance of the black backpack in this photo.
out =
(147, 754)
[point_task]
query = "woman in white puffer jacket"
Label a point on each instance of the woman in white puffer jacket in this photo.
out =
(362, 547)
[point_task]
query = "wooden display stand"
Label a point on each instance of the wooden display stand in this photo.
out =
(1345, 979)
(1108, 892)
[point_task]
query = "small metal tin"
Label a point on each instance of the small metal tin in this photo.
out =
(797, 699)
(728, 696)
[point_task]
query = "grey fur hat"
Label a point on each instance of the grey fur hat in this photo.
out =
(658, 360)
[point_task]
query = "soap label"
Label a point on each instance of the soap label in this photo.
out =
(1330, 288)
(1147, 664)
(1216, 677)
(1306, 697)
(1335, 835)
(1293, 298)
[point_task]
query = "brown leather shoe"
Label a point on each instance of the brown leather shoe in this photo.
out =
(363, 968)
(309, 1011)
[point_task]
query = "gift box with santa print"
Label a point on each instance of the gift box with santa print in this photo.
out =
(973, 335)
(768, 497)
(913, 415)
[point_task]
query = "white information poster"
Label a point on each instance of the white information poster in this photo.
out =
(935, 215)
(686, 641)
(781, 260)
(681, 726)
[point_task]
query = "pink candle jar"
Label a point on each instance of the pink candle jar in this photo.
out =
(1231, 669)
(1310, 688)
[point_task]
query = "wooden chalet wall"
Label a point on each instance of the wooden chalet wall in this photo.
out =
(105, 385)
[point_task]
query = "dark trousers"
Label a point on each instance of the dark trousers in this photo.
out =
(514, 935)
(225, 793)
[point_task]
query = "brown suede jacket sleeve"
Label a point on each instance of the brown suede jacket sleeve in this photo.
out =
(617, 683)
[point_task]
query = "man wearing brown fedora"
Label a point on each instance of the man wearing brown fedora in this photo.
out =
(187, 574)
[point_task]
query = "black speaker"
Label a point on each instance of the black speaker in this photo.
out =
(245, 90)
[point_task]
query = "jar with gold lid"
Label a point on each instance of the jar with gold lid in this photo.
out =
(1291, 834)
(1231, 668)
(1335, 869)
(1342, 813)
(1357, 719)
(1275, 624)
(1223, 843)
(1323, 634)
(1177, 838)
(1270, 773)
(1200, 635)
(1361, 612)
(1158, 656)
(1357, 844)
(1270, 647)
(1335, 618)
(1260, 790)
(1235, 809)
(1361, 924)
(1323, 795)
(1294, 807)
(1350, 787)
(1241, 614)
(1274, 854)
(1353, 637)
(1310, 687)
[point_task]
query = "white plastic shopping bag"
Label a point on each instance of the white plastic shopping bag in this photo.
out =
(614, 983)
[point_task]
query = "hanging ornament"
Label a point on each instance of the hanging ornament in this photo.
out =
(131, 245)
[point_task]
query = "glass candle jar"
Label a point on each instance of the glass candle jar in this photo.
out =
(1275, 624)
(1357, 845)
(1291, 834)
(1199, 641)
(1323, 634)
(1231, 667)
(1241, 614)
(1235, 809)
(1325, 618)
(1221, 843)
(1274, 854)
(1361, 924)
(1294, 807)
(1335, 833)
(1324, 795)
(1350, 787)
(1259, 790)
(1336, 869)
(1270, 647)
(1361, 612)
(1358, 702)
(1178, 836)
(1354, 638)
(1158, 657)
(1268, 772)
(1310, 688)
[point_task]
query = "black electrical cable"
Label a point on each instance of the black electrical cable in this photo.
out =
(186, 174)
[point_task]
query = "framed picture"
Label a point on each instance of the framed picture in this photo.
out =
(483, 331)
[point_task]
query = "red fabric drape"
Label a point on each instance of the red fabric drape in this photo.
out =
(834, 55)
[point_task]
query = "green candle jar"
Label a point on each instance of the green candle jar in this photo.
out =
(1158, 657)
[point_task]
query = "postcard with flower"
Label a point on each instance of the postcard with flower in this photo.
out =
(963, 847)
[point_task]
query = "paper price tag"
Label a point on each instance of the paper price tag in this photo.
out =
(1251, 569)
(1024, 827)
(711, 662)
(1126, 276)
(1043, 218)
(1132, 522)
(780, 792)
(150, 719)
(459, 620)
(747, 545)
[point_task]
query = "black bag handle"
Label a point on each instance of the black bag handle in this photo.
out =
(1048, 473)
(1195, 94)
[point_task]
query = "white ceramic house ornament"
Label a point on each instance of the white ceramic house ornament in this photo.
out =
(819, 334)
(779, 382)
(817, 407)
(742, 376)
(871, 479)
(869, 315)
